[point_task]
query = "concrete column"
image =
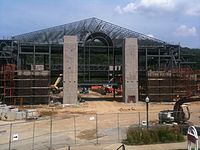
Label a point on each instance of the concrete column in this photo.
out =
(130, 70)
(70, 69)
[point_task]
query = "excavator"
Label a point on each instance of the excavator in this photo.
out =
(180, 113)
(57, 82)
(56, 89)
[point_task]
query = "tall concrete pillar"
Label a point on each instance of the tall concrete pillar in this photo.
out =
(130, 70)
(70, 69)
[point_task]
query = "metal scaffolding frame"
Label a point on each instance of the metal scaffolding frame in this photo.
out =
(45, 47)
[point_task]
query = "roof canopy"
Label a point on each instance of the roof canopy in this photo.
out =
(83, 29)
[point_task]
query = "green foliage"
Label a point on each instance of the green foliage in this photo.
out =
(157, 134)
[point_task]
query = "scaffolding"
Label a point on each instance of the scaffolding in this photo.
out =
(19, 86)
(164, 73)
(171, 85)
(6, 81)
(159, 70)
(38, 57)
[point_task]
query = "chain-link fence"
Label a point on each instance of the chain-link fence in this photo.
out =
(53, 133)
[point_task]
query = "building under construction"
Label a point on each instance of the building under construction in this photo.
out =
(31, 61)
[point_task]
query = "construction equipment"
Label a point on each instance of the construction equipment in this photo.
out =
(180, 113)
(57, 82)
(56, 93)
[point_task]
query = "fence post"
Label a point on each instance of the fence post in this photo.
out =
(75, 129)
(118, 126)
(97, 129)
(139, 118)
(69, 148)
(51, 131)
(33, 142)
(10, 138)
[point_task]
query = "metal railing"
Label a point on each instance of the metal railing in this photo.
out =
(122, 147)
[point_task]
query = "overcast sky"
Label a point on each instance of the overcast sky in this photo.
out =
(169, 20)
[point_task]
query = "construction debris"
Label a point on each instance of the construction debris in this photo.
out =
(126, 109)
(10, 113)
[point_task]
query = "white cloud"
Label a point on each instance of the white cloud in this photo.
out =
(119, 10)
(193, 9)
(166, 5)
(183, 30)
(130, 7)
(160, 4)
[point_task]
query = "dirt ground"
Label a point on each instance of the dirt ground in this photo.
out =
(111, 107)
(106, 107)
(101, 107)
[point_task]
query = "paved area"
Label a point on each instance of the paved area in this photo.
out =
(169, 146)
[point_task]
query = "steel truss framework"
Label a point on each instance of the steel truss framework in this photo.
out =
(83, 29)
